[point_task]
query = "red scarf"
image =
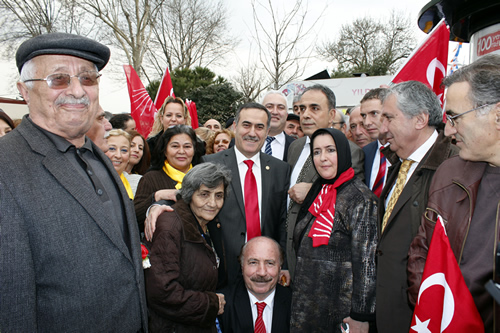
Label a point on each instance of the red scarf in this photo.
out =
(323, 208)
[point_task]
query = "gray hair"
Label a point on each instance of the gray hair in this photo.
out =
(483, 77)
(252, 105)
(414, 98)
(209, 174)
(241, 257)
(330, 96)
(274, 92)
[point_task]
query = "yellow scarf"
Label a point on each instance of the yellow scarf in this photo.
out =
(127, 186)
(175, 174)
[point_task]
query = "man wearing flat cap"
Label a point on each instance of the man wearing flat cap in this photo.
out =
(69, 243)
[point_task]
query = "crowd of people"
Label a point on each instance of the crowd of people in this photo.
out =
(308, 221)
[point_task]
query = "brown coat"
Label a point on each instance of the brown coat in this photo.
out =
(151, 182)
(393, 309)
(180, 285)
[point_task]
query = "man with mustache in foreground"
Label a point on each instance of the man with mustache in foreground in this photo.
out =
(69, 242)
(261, 260)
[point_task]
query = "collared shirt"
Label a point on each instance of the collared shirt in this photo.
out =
(277, 146)
(267, 314)
(306, 151)
(416, 157)
(376, 166)
(95, 175)
(243, 168)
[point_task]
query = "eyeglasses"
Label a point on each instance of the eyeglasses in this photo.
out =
(451, 119)
(62, 81)
(224, 141)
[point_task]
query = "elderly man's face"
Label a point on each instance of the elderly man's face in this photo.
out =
(276, 104)
(97, 131)
(476, 134)
(401, 132)
(67, 112)
(292, 128)
(261, 267)
(212, 124)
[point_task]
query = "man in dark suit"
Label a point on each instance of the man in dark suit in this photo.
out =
(418, 146)
(69, 242)
(317, 110)
(261, 260)
(376, 165)
(272, 178)
(277, 141)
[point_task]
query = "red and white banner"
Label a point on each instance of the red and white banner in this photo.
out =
(444, 303)
(164, 90)
(428, 62)
(193, 113)
(142, 108)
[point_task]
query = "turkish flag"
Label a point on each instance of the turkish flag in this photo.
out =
(444, 303)
(164, 90)
(193, 113)
(142, 108)
(428, 62)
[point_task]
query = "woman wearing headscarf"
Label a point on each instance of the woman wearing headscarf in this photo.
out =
(335, 239)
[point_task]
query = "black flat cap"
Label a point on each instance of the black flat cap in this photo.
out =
(62, 43)
(292, 116)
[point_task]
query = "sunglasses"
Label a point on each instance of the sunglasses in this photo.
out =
(224, 141)
(62, 81)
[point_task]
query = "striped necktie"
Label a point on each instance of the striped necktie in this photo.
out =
(269, 140)
(259, 322)
(379, 181)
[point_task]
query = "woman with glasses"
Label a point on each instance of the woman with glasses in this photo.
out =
(220, 141)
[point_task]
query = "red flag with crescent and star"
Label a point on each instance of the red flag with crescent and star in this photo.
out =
(142, 108)
(428, 62)
(444, 303)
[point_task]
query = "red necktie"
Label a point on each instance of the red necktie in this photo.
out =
(251, 203)
(259, 323)
(379, 181)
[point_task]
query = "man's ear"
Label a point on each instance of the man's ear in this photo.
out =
(497, 116)
(332, 117)
(421, 121)
(23, 90)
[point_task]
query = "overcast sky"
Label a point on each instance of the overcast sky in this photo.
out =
(332, 13)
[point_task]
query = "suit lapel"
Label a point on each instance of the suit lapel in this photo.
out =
(237, 191)
(57, 164)
(243, 309)
(266, 182)
(280, 310)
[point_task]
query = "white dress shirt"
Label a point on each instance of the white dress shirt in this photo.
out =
(267, 314)
(243, 168)
(416, 157)
(277, 146)
(306, 151)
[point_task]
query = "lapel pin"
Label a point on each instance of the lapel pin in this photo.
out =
(218, 225)
(267, 167)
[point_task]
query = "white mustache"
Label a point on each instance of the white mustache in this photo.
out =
(70, 100)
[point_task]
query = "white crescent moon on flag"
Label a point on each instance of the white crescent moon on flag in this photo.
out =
(449, 302)
(431, 70)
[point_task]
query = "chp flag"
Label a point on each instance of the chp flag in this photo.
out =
(428, 62)
(444, 303)
(142, 108)
(166, 89)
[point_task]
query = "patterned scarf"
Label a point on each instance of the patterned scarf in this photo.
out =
(323, 208)
(175, 174)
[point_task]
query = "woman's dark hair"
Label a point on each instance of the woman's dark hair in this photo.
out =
(158, 157)
(5, 117)
(143, 165)
(120, 120)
